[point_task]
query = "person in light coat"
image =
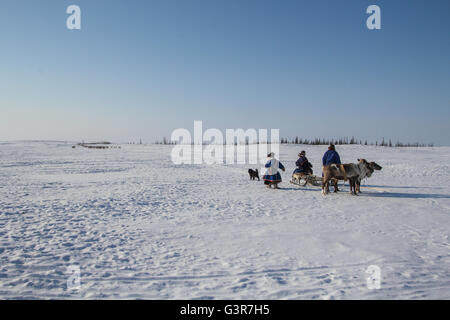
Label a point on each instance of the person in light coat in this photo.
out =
(272, 177)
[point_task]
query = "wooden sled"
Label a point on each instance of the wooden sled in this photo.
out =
(302, 179)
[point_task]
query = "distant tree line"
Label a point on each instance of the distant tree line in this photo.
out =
(319, 141)
(132, 142)
(165, 141)
(352, 140)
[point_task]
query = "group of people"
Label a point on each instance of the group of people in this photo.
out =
(272, 177)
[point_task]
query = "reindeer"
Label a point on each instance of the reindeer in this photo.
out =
(353, 172)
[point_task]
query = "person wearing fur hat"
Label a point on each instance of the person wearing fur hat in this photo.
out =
(332, 157)
(272, 176)
(303, 165)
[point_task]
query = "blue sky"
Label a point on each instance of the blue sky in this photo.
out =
(140, 69)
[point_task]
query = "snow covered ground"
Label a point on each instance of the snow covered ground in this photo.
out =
(139, 226)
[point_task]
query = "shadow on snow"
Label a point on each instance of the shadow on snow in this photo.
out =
(406, 195)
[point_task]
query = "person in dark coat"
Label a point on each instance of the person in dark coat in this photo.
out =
(331, 156)
(303, 165)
